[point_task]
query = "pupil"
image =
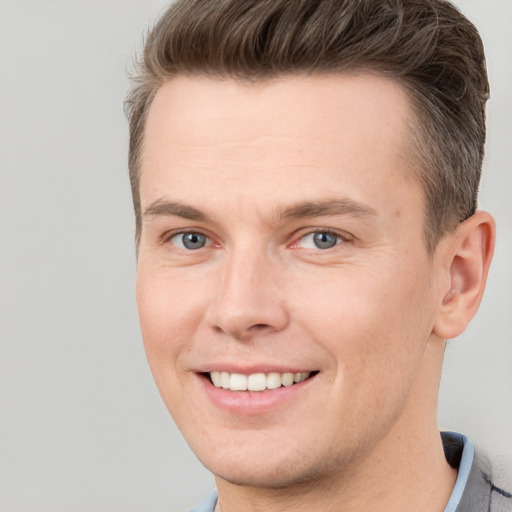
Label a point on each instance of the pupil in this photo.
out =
(324, 240)
(194, 240)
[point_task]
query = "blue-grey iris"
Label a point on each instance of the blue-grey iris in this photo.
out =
(193, 240)
(325, 240)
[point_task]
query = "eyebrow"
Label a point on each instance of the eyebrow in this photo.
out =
(162, 207)
(343, 206)
(331, 207)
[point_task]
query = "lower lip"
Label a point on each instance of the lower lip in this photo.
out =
(252, 402)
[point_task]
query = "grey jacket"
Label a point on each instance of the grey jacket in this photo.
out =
(480, 493)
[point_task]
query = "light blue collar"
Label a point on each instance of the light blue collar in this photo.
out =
(466, 462)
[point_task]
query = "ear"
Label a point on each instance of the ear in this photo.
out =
(466, 258)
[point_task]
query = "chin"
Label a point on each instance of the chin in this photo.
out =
(277, 470)
(269, 477)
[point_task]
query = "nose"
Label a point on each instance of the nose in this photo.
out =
(248, 301)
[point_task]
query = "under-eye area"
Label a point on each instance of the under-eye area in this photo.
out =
(257, 381)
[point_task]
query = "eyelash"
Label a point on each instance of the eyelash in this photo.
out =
(167, 237)
(342, 237)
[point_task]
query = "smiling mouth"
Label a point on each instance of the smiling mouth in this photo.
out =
(256, 381)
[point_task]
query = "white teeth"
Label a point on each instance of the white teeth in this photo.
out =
(256, 381)
(215, 376)
(238, 382)
(287, 379)
(299, 377)
(273, 380)
(224, 380)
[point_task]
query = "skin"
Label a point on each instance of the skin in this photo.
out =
(243, 165)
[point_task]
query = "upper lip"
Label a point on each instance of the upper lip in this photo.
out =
(251, 369)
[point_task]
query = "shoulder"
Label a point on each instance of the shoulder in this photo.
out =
(482, 490)
(501, 488)
(484, 487)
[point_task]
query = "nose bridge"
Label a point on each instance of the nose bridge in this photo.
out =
(248, 299)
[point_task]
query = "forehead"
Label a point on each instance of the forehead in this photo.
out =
(297, 133)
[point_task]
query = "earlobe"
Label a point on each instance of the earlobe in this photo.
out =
(468, 256)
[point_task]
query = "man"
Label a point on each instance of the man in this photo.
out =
(304, 175)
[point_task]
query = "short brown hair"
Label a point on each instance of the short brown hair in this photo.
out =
(428, 46)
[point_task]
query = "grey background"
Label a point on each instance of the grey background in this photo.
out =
(82, 426)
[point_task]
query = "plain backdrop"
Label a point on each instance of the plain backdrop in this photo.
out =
(82, 425)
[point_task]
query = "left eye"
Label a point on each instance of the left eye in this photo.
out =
(320, 240)
(190, 241)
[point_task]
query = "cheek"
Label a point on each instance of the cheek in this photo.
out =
(167, 324)
(169, 311)
(370, 322)
(375, 335)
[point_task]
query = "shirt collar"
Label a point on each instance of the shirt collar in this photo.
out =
(460, 453)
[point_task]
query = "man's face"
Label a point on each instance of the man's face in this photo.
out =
(282, 235)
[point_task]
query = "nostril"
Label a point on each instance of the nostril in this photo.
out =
(258, 329)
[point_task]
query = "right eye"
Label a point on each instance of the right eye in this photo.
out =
(190, 240)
